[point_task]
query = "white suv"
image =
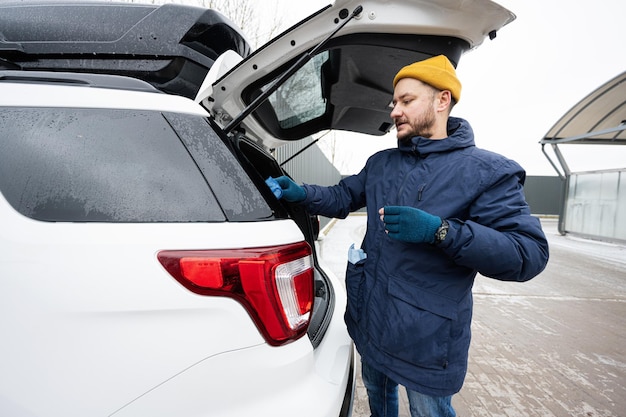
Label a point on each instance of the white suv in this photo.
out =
(143, 271)
(145, 267)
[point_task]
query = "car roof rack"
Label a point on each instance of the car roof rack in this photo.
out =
(72, 78)
(171, 46)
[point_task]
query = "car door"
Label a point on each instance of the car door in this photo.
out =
(334, 69)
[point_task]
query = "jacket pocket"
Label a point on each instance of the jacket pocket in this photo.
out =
(355, 276)
(417, 325)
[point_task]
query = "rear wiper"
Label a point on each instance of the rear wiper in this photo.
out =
(280, 80)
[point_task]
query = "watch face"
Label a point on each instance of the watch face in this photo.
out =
(442, 232)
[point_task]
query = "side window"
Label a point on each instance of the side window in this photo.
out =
(237, 194)
(100, 165)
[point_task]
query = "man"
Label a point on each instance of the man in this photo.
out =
(439, 211)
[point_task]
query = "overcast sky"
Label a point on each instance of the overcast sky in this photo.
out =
(518, 85)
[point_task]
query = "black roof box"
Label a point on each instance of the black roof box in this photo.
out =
(171, 46)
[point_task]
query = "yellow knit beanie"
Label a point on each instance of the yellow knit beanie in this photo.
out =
(436, 71)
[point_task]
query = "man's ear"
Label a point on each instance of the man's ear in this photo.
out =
(445, 100)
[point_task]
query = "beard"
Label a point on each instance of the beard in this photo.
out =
(420, 126)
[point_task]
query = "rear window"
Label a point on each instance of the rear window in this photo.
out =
(300, 99)
(96, 165)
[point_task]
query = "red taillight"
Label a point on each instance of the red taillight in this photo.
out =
(274, 284)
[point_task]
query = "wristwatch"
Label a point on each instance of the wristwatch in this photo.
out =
(441, 232)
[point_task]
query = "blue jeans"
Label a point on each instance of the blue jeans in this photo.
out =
(382, 393)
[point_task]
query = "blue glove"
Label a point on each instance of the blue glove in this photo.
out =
(410, 224)
(292, 192)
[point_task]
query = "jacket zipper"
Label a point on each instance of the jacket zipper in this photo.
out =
(419, 192)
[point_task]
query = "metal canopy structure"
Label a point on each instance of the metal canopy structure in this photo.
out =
(594, 203)
(598, 119)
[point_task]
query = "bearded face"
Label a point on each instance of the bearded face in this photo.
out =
(414, 109)
(420, 125)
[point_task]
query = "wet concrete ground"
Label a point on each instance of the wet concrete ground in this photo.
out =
(552, 347)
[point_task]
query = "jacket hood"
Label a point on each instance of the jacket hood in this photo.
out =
(460, 135)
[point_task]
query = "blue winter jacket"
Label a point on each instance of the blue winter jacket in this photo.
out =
(410, 305)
